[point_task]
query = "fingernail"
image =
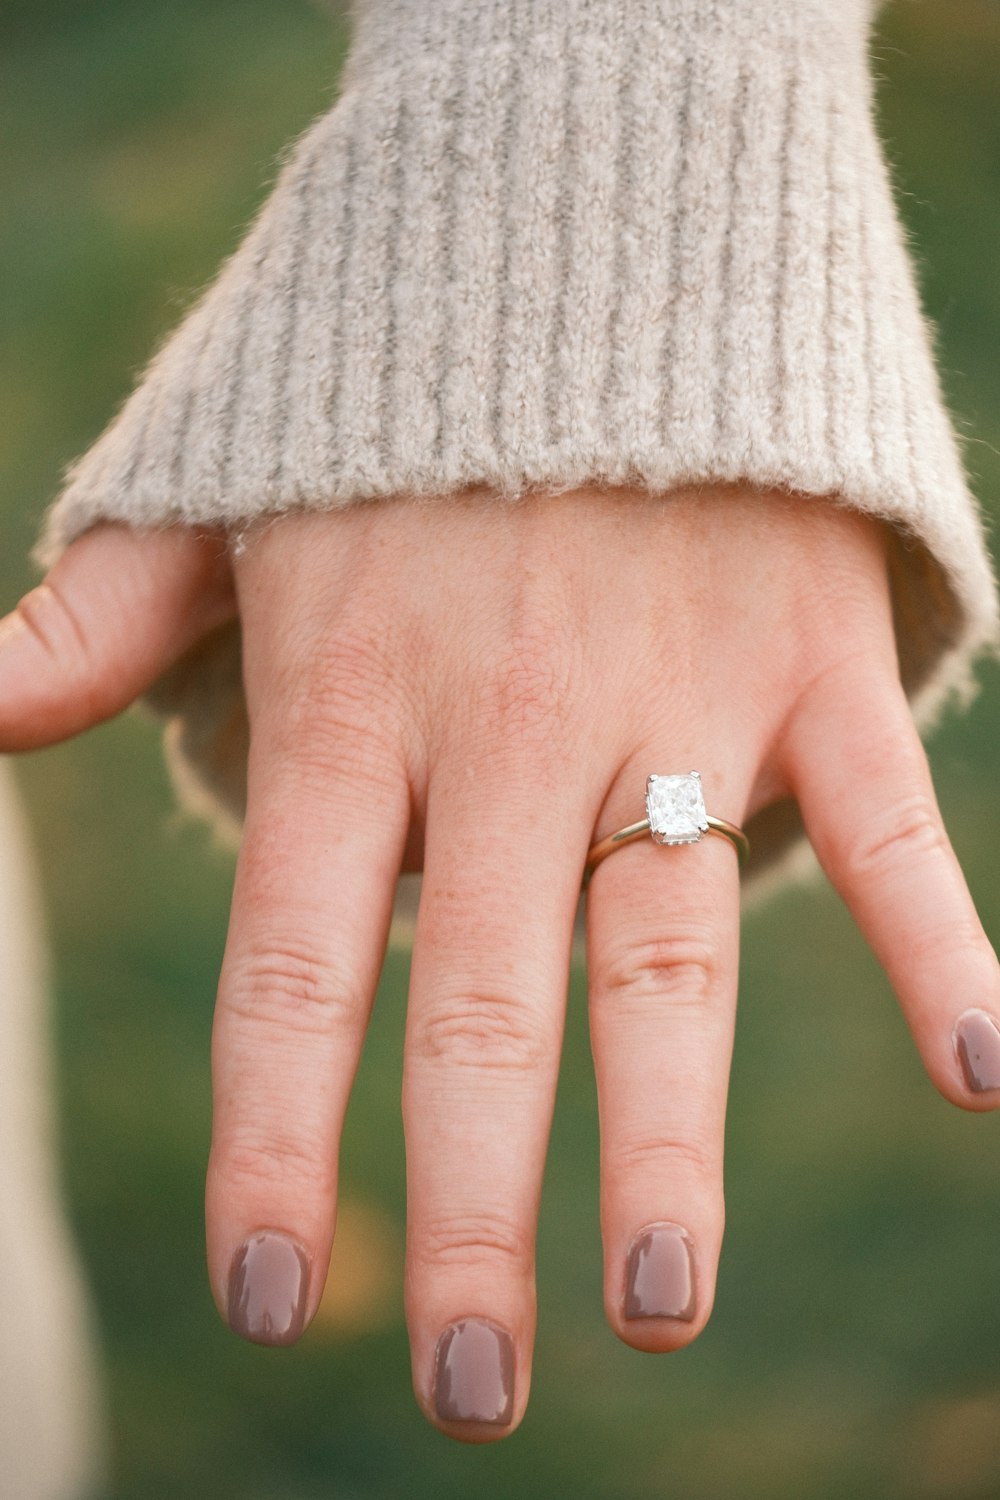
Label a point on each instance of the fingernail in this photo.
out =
(268, 1283)
(977, 1042)
(474, 1373)
(659, 1276)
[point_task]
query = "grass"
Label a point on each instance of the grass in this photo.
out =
(853, 1351)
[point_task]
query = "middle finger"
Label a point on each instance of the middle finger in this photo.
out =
(503, 858)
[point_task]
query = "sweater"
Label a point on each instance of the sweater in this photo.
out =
(541, 244)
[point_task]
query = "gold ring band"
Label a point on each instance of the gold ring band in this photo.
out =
(668, 823)
(614, 841)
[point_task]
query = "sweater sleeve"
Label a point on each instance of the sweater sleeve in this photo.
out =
(537, 244)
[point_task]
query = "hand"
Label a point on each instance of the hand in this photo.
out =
(479, 690)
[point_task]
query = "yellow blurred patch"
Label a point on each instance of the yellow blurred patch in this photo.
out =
(364, 1288)
(951, 1448)
(171, 173)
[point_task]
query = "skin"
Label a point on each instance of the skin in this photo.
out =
(479, 690)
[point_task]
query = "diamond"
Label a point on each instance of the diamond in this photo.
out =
(675, 807)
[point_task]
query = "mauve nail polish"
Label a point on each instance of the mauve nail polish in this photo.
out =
(659, 1276)
(977, 1042)
(474, 1373)
(268, 1283)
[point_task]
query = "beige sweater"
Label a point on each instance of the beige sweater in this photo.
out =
(538, 243)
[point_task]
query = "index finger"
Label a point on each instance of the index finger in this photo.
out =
(328, 812)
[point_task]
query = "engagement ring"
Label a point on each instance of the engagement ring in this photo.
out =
(675, 814)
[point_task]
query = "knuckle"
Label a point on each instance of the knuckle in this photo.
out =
(525, 688)
(292, 989)
(249, 1164)
(690, 1154)
(348, 670)
(50, 618)
(336, 715)
(469, 1239)
(908, 830)
(489, 1032)
(683, 971)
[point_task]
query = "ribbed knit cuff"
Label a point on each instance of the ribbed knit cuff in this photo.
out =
(548, 243)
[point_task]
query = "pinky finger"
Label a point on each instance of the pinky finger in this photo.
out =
(854, 759)
(118, 608)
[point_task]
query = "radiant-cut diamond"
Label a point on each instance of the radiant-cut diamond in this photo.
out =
(675, 807)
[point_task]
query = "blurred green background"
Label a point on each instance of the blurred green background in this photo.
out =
(855, 1346)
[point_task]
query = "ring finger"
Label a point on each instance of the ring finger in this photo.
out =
(663, 944)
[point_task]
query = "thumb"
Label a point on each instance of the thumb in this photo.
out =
(118, 608)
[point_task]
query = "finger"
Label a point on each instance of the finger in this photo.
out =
(503, 861)
(328, 810)
(663, 945)
(854, 760)
(118, 608)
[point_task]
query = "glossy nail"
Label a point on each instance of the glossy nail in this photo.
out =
(268, 1283)
(474, 1373)
(977, 1042)
(659, 1275)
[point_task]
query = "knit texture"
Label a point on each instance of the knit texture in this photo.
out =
(538, 244)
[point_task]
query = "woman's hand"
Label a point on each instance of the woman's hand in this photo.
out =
(479, 690)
